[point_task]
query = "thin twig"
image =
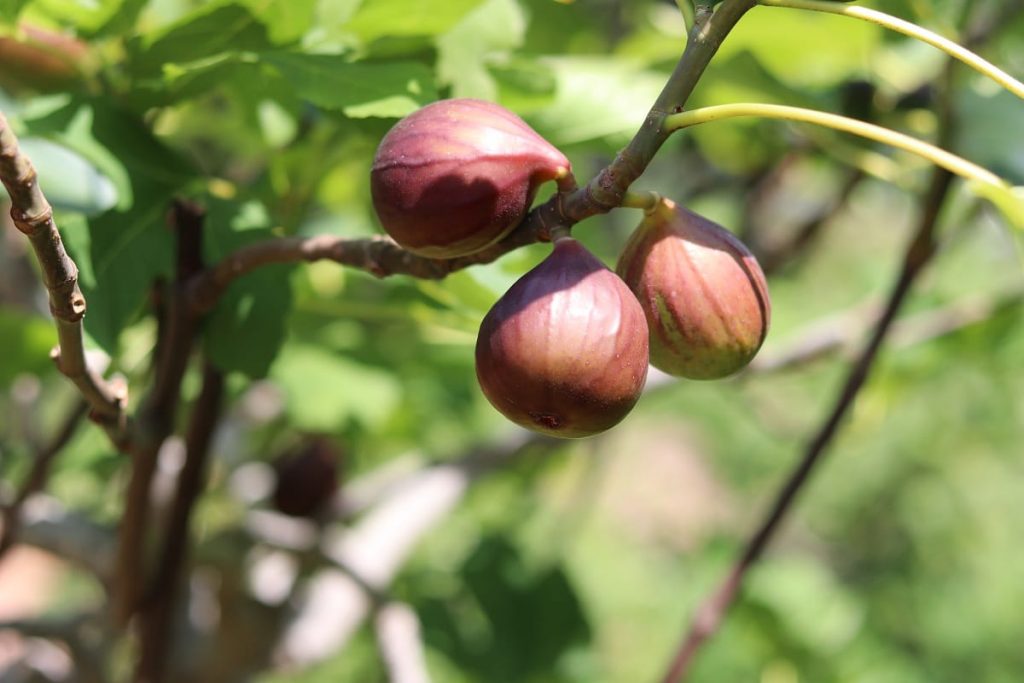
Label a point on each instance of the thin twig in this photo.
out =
(33, 216)
(37, 476)
(159, 603)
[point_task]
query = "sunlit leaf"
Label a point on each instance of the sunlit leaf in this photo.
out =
(324, 391)
(359, 90)
(380, 18)
(489, 30)
(245, 331)
(212, 29)
(597, 97)
(804, 48)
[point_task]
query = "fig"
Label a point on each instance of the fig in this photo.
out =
(40, 60)
(457, 175)
(703, 292)
(564, 351)
(306, 478)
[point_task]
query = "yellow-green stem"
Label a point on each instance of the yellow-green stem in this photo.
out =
(936, 155)
(907, 28)
(645, 200)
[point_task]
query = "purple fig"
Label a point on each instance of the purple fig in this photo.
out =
(703, 292)
(457, 175)
(306, 478)
(564, 351)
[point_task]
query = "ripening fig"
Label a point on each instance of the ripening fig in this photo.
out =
(457, 175)
(703, 292)
(564, 351)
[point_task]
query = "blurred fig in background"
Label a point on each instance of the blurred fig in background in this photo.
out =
(306, 477)
(40, 60)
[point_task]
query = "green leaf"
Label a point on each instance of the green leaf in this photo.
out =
(325, 391)
(597, 97)
(531, 617)
(245, 331)
(220, 27)
(384, 18)
(87, 17)
(10, 9)
(69, 180)
(804, 49)
(524, 84)
(807, 600)
(358, 90)
(489, 31)
(128, 250)
(27, 343)
(286, 20)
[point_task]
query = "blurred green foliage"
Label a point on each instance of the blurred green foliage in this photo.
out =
(903, 560)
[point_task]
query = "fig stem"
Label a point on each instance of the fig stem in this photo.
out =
(566, 181)
(560, 232)
(647, 200)
(940, 157)
(687, 10)
(907, 28)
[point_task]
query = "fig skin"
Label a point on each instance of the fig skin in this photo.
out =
(703, 292)
(457, 175)
(564, 351)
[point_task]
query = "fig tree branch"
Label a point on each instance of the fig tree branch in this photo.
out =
(157, 414)
(33, 216)
(158, 604)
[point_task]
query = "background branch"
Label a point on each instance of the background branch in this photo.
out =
(157, 414)
(158, 606)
